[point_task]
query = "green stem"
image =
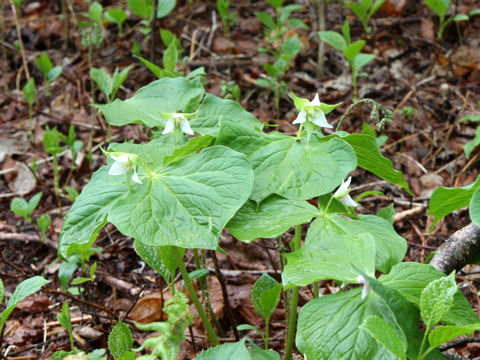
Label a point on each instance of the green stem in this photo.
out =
(193, 295)
(292, 320)
(315, 289)
(30, 125)
(267, 332)
(300, 132)
(56, 183)
(424, 340)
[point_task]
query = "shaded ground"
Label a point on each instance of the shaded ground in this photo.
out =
(440, 80)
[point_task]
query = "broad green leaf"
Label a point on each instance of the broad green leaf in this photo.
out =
(359, 10)
(167, 95)
(329, 327)
(194, 145)
(63, 317)
(44, 64)
(120, 341)
(188, 202)
(410, 278)
(51, 141)
(460, 17)
(24, 289)
(118, 79)
(261, 354)
(43, 223)
(117, 15)
(299, 102)
(272, 217)
(95, 12)
(286, 11)
(165, 7)
(232, 351)
(437, 299)
(385, 334)
(88, 213)
(442, 334)
(289, 168)
(440, 7)
(388, 213)
(66, 270)
(474, 12)
(333, 39)
(353, 49)
(471, 145)
(369, 158)
(266, 19)
(376, 5)
(475, 207)
(25, 208)
(390, 248)
(213, 110)
(361, 60)
(170, 58)
(265, 295)
(141, 8)
(29, 91)
(103, 80)
(54, 73)
(446, 200)
(291, 47)
(156, 70)
(333, 257)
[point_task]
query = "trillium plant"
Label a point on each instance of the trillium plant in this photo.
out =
(210, 167)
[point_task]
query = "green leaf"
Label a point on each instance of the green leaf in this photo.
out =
(437, 299)
(43, 223)
(188, 202)
(265, 295)
(390, 248)
(95, 12)
(165, 7)
(442, 334)
(120, 340)
(25, 209)
(170, 57)
(298, 102)
(54, 73)
(359, 10)
(29, 91)
(141, 8)
(385, 334)
(156, 70)
(333, 39)
(475, 207)
(388, 213)
(440, 7)
(446, 200)
(66, 270)
(287, 10)
(44, 64)
(334, 257)
(291, 47)
(232, 351)
(353, 49)
(474, 12)
(289, 168)
(51, 141)
(471, 145)
(194, 145)
(117, 15)
(410, 278)
(118, 79)
(214, 110)
(24, 289)
(362, 59)
(167, 95)
(369, 158)
(266, 19)
(460, 17)
(272, 217)
(329, 327)
(261, 354)
(103, 80)
(89, 211)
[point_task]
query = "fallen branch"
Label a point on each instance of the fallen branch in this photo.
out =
(458, 250)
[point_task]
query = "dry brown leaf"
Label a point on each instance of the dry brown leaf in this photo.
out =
(34, 304)
(426, 30)
(150, 308)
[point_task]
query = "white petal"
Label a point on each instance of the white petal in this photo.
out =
(342, 188)
(315, 101)
(123, 158)
(135, 177)
(117, 168)
(169, 126)
(185, 126)
(365, 290)
(301, 118)
(320, 120)
(178, 116)
(347, 200)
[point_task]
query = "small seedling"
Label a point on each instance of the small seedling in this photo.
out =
(51, 144)
(30, 94)
(117, 16)
(109, 84)
(365, 9)
(352, 51)
(228, 18)
(25, 209)
(471, 145)
(230, 90)
(50, 73)
(144, 9)
(63, 318)
(43, 223)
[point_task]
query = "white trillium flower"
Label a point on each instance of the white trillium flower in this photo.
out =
(312, 112)
(342, 193)
(178, 119)
(366, 287)
(123, 163)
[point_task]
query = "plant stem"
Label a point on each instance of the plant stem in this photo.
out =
(315, 289)
(292, 320)
(267, 332)
(320, 4)
(193, 295)
(92, 95)
(424, 340)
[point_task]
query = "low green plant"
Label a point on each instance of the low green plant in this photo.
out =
(228, 18)
(51, 144)
(365, 9)
(50, 72)
(63, 317)
(25, 208)
(117, 16)
(43, 223)
(144, 9)
(440, 8)
(351, 50)
(109, 85)
(230, 90)
(471, 145)
(30, 94)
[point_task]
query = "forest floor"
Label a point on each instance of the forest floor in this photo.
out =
(428, 83)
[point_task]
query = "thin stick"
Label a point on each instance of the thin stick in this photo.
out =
(226, 302)
(20, 42)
